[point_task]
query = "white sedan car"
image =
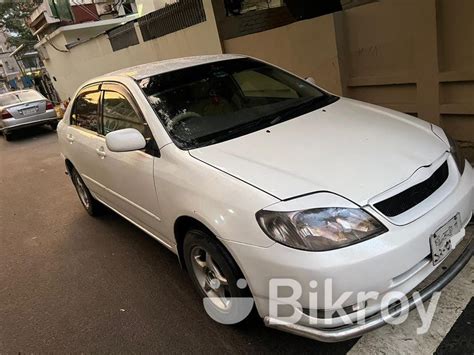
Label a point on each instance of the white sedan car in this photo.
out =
(252, 176)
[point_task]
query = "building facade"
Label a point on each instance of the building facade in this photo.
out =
(10, 75)
(400, 54)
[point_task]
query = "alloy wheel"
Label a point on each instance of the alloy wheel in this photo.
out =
(82, 191)
(210, 278)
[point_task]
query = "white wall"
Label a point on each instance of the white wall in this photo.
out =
(96, 57)
(307, 48)
(146, 6)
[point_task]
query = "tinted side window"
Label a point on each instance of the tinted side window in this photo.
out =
(118, 113)
(86, 111)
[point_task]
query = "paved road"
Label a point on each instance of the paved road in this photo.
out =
(70, 282)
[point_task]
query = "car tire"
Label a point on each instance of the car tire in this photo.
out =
(227, 300)
(8, 136)
(53, 125)
(91, 205)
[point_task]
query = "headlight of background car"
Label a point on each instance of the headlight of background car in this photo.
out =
(320, 228)
(457, 154)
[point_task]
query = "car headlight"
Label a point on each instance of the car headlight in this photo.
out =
(457, 154)
(320, 229)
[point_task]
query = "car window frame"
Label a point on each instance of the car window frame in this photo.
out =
(152, 146)
(96, 87)
(122, 90)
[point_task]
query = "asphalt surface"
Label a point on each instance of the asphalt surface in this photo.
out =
(71, 282)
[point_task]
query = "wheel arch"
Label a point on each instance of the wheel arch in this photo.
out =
(181, 226)
(69, 165)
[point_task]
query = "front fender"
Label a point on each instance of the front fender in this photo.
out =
(186, 186)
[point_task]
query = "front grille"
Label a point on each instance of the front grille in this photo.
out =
(409, 198)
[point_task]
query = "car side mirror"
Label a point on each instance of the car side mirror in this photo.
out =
(311, 80)
(125, 140)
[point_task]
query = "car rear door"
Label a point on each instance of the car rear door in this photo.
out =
(84, 139)
(127, 176)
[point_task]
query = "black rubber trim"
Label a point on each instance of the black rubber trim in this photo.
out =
(412, 196)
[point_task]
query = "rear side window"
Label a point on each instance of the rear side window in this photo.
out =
(118, 113)
(86, 111)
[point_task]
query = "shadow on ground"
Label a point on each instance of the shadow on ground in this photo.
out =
(20, 135)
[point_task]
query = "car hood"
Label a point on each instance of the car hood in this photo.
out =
(351, 148)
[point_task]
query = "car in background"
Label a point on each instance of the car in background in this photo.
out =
(24, 108)
(245, 170)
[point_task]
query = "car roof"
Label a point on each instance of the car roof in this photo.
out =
(142, 71)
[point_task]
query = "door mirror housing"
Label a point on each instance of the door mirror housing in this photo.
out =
(125, 140)
(311, 80)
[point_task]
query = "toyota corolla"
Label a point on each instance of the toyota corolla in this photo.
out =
(251, 174)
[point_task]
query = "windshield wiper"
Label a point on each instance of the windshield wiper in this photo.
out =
(308, 103)
(291, 111)
(285, 113)
(265, 121)
(228, 133)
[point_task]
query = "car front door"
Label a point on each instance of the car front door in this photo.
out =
(84, 138)
(127, 176)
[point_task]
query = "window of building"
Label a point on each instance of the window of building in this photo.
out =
(8, 66)
(237, 7)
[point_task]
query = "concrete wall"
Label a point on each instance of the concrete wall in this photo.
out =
(413, 56)
(95, 57)
(416, 57)
(308, 48)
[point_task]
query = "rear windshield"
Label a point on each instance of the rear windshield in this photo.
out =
(19, 96)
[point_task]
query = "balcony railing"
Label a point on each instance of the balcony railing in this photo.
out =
(172, 18)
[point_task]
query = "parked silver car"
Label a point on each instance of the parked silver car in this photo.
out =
(24, 108)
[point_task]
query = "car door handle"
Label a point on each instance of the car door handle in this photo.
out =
(101, 152)
(70, 138)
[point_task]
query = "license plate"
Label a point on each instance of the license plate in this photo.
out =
(29, 111)
(440, 241)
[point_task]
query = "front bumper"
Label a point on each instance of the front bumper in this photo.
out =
(397, 261)
(453, 264)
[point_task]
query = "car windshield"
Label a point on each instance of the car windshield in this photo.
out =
(17, 97)
(214, 102)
